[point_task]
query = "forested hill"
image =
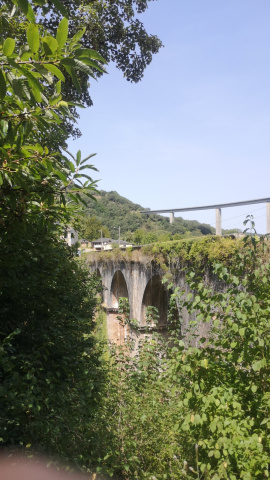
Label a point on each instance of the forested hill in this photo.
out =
(111, 210)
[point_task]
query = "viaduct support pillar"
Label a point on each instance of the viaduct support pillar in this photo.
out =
(267, 217)
(171, 217)
(218, 221)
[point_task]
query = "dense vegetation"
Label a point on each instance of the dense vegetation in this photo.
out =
(199, 253)
(111, 211)
(47, 299)
(50, 377)
(173, 410)
(197, 408)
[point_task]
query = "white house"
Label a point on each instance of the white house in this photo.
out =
(107, 243)
(71, 236)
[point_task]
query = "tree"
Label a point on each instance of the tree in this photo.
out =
(90, 228)
(34, 178)
(138, 235)
(113, 29)
(50, 368)
(49, 361)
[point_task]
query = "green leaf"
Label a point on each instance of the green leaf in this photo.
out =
(75, 104)
(242, 332)
(8, 47)
(70, 165)
(3, 128)
(61, 176)
(32, 80)
(45, 73)
(62, 9)
(75, 63)
(89, 167)
(83, 67)
(50, 44)
(78, 157)
(25, 6)
(75, 79)
(92, 63)
(257, 366)
(58, 87)
(3, 86)
(78, 36)
(55, 71)
(55, 99)
(62, 32)
(88, 52)
(68, 61)
(33, 37)
(87, 158)
(19, 87)
(75, 199)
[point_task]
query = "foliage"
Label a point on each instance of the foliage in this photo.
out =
(199, 253)
(124, 314)
(179, 256)
(50, 376)
(151, 316)
(90, 228)
(50, 366)
(111, 28)
(112, 210)
(198, 409)
(35, 179)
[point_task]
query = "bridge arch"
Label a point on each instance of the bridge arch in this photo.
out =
(118, 288)
(156, 295)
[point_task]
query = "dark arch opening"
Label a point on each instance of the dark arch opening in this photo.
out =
(155, 295)
(118, 288)
(97, 272)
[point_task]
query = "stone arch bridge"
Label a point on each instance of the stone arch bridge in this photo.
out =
(142, 285)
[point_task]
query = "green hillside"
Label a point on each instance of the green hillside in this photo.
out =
(111, 210)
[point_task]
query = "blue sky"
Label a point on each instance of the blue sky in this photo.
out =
(195, 130)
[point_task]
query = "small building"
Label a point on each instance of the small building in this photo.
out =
(85, 243)
(124, 244)
(107, 244)
(103, 244)
(71, 236)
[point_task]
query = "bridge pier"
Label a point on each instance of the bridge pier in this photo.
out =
(267, 217)
(171, 217)
(218, 221)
